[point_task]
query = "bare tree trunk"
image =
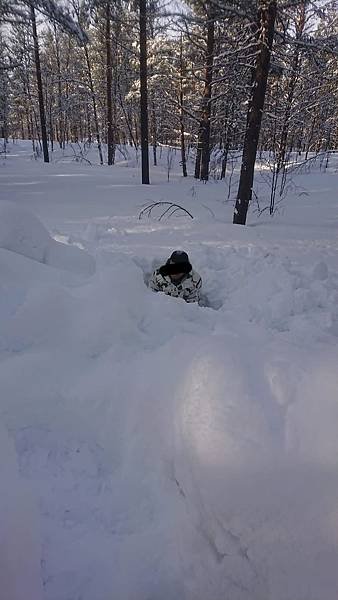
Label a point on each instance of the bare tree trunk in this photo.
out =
(33, 119)
(144, 91)
(65, 116)
(81, 130)
(39, 84)
(28, 125)
(198, 160)
(38, 137)
(51, 128)
(23, 137)
(110, 140)
(266, 20)
(114, 90)
(96, 121)
(89, 129)
(48, 109)
(137, 132)
(128, 118)
(203, 152)
(4, 127)
(154, 130)
(229, 114)
(310, 138)
(295, 67)
(181, 99)
(58, 63)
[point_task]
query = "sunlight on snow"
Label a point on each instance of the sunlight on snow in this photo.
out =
(204, 410)
(21, 183)
(69, 175)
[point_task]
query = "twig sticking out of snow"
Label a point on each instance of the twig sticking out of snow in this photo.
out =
(170, 209)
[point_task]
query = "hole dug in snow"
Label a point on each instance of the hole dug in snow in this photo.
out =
(208, 299)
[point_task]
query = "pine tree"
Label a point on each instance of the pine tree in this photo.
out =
(266, 16)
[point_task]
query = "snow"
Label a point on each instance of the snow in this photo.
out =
(20, 552)
(150, 448)
(23, 233)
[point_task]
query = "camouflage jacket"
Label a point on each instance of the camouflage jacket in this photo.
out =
(187, 288)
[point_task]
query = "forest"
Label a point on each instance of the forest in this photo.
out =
(217, 80)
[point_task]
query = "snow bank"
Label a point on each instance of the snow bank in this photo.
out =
(173, 451)
(266, 288)
(20, 550)
(23, 233)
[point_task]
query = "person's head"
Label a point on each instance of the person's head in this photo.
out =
(180, 265)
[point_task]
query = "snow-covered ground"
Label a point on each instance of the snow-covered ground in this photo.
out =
(151, 449)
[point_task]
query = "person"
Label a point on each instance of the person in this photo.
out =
(177, 278)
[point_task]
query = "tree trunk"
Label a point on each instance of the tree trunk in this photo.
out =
(51, 128)
(266, 20)
(58, 63)
(40, 90)
(4, 132)
(310, 138)
(203, 152)
(110, 140)
(229, 114)
(22, 130)
(183, 154)
(295, 68)
(137, 132)
(114, 91)
(154, 130)
(198, 160)
(89, 128)
(128, 118)
(144, 91)
(96, 121)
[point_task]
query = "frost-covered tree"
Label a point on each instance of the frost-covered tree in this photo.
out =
(12, 11)
(204, 80)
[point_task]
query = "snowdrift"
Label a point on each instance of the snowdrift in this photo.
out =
(161, 446)
(23, 233)
(20, 544)
(170, 450)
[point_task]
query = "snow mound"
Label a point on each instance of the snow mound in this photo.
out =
(171, 446)
(22, 232)
(20, 552)
(268, 289)
(174, 451)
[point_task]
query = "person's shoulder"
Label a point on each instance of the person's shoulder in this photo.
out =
(196, 278)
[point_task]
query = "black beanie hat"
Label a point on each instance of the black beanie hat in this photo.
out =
(179, 256)
(177, 263)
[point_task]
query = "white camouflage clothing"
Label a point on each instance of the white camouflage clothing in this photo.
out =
(187, 288)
